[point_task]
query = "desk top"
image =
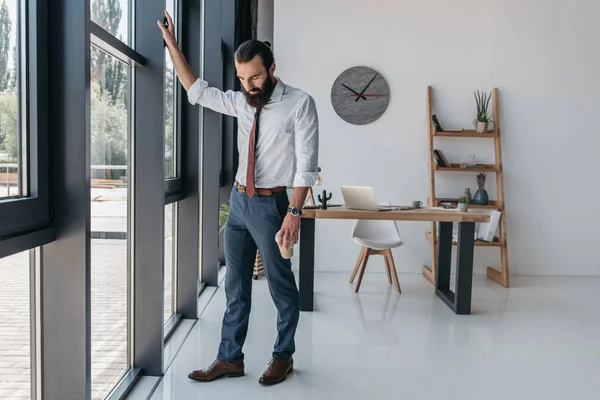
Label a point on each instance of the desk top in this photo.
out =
(437, 214)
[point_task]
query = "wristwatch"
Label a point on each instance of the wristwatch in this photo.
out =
(295, 211)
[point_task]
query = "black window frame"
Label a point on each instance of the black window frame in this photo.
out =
(26, 221)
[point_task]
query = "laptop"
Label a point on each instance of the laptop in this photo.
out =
(363, 198)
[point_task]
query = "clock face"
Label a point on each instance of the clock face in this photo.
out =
(360, 95)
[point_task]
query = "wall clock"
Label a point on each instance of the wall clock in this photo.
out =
(359, 95)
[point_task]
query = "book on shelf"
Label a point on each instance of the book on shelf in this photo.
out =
(440, 158)
(438, 126)
(487, 230)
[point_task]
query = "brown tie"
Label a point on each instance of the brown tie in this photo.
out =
(250, 189)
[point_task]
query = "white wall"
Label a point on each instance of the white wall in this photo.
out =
(264, 20)
(544, 57)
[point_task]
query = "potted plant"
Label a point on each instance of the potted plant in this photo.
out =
(463, 204)
(223, 214)
(483, 116)
(481, 196)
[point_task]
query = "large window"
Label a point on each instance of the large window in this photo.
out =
(11, 132)
(170, 106)
(113, 16)
(15, 327)
(172, 170)
(172, 127)
(23, 131)
(170, 259)
(110, 266)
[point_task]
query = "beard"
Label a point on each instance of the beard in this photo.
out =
(258, 97)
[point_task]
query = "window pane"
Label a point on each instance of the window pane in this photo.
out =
(11, 97)
(110, 116)
(15, 327)
(113, 16)
(170, 106)
(170, 259)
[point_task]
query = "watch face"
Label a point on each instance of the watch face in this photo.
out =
(360, 95)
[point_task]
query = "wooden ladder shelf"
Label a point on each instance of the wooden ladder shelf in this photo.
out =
(500, 276)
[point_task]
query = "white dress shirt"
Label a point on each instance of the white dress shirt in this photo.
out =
(288, 133)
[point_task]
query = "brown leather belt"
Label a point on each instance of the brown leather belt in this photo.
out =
(261, 191)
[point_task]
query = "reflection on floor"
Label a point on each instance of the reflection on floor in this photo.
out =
(538, 339)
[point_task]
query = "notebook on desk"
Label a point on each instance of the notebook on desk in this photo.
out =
(363, 198)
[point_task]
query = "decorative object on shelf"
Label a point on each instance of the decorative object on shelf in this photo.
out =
(481, 196)
(483, 116)
(360, 95)
(467, 194)
(463, 204)
(472, 162)
(323, 200)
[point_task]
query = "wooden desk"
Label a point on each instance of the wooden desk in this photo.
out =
(458, 300)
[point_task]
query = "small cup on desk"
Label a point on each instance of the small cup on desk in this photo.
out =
(417, 203)
(285, 253)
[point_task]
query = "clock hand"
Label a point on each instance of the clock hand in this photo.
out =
(368, 84)
(353, 91)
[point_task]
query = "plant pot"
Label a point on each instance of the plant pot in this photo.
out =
(463, 207)
(481, 127)
(481, 198)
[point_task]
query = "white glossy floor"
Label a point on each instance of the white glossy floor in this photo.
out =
(540, 339)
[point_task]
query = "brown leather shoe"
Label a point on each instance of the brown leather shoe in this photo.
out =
(276, 371)
(218, 369)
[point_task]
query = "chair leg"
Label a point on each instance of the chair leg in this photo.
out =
(388, 269)
(362, 269)
(358, 263)
(393, 269)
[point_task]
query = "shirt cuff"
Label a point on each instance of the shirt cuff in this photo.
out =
(305, 179)
(195, 91)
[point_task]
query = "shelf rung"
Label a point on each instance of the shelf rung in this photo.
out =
(479, 243)
(458, 168)
(467, 133)
(493, 205)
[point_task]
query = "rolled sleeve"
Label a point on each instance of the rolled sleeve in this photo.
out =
(307, 143)
(214, 98)
(195, 91)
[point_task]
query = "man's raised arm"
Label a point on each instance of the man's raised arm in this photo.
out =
(182, 68)
(198, 90)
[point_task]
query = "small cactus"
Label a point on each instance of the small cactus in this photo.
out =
(323, 200)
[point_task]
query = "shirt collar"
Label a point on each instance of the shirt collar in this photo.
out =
(278, 90)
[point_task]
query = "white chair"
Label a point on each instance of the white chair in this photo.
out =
(376, 237)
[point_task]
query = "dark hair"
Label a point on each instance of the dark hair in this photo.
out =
(251, 48)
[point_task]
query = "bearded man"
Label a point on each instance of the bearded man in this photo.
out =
(278, 148)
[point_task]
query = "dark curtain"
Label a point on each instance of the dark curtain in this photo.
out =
(238, 25)
(245, 20)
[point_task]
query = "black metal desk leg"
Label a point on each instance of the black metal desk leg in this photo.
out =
(442, 276)
(464, 267)
(444, 264)
(307, 263)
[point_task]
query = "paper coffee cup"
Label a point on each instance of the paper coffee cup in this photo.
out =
(285, 253)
